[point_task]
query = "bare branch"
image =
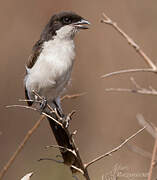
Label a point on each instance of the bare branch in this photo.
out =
(113, 150)
(128, 71)
(73, 96)
(21, 106)
(149, 62)
(20, 147)
(31, 108)
(138, 89)
(78, 169)
(153, 131)
(153, 160)
(75, 164)
(61, 147)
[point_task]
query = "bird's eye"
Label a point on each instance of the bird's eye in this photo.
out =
(67, 20)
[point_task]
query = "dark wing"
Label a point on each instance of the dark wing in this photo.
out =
(27, 98)
(37, 48)
(31, 61)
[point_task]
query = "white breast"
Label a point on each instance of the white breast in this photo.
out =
(52, 70)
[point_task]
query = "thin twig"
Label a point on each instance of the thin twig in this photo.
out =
(142, 92)
(78, 169)
(21, 106)
(127, 71)
(151, 129)
(31, 108)
(138, 89)
(73, 96)
(130, 41)
(78, 161)
(61, 147)
(153, 160)
(149, 62)
(113, 150)
(20, 147)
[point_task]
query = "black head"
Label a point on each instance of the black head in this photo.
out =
(60, 20)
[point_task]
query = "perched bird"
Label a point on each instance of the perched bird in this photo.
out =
(49, 66)
(48, 71)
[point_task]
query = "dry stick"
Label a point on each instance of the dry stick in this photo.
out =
(28, 135)
(61, 147)
(153, 160)
(138, 89)
(151, 129)
(31, 108)
(13, 157)
(67, 96)
(113, 150)
(149, 62)
(143, 92)
(128, 71)
(73, 96)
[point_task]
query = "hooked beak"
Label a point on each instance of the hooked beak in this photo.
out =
(82, 24)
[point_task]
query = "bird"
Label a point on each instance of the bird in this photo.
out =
(48, 71)
(49, 67)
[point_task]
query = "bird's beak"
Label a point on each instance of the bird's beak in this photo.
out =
(82, 24)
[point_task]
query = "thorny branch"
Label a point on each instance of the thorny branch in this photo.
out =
(153, 67)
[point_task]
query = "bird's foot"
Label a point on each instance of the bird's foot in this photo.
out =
(43, 104)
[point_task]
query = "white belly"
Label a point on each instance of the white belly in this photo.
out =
(51, 72)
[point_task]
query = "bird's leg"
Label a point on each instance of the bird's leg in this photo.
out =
(64, 119)
(58, 108)
(43, 104)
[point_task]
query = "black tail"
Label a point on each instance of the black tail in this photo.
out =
(63, 139)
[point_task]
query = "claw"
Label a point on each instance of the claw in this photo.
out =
(43, 104)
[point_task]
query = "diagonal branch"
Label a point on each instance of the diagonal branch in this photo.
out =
(137, 48)
(21, 146)
(73, 96)
(152, 129)
(153, 160)
(113, 150)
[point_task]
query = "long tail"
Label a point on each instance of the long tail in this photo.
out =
(63, 139)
